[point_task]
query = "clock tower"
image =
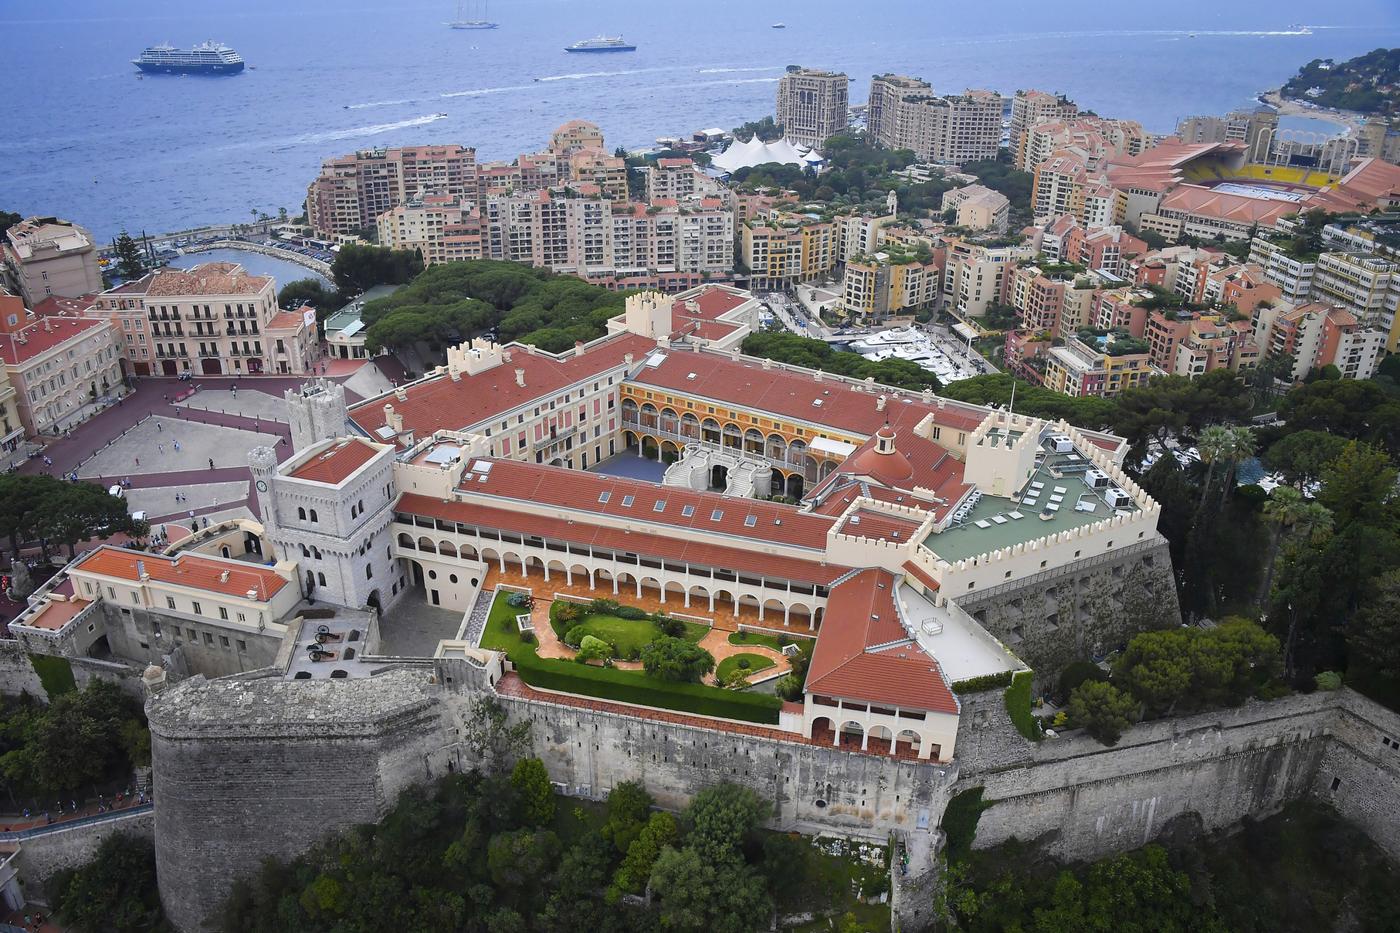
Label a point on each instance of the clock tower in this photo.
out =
(262, 461)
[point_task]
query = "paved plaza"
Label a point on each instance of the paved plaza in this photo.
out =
(411, 628)
(160, 500)
(153, 443)
(632, 466)
(249, 403)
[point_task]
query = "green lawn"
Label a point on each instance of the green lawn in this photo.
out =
(729, 665)
(612, 684)
(755, 638)
(635, 634)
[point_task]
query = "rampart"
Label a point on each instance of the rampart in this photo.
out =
(1084, 800)
(255, 766)
(45, 852)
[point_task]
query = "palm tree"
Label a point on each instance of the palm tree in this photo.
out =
(1288, 512)
(1223, 444)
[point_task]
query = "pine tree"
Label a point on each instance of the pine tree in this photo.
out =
(130, 265)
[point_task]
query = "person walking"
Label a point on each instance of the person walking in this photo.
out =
(159, 426)
(160, 448)
(177, 445)
(211, 463)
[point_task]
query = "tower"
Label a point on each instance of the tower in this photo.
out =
(892, 202)
(317, 412)
(262, 461)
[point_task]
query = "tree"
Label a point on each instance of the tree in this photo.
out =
(628, 807)
(311, 292)
(358, 268)
(1374, 641)
(1301, 456)
(1357, 483)
(522, 859)
(7, 220)
(676, 659)
(695, 895)
(1102, 710)
(115, 891)
(1285, 510)
(73, 512)
(534, 793)
(79, 739)
(130, 263)
(657, 833)
(721, 818)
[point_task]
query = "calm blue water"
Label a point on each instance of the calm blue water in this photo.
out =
(162, 153)
(255, 264)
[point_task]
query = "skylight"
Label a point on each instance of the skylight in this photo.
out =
(750, 521)
(660, 506)
(627, 502)
(716, 515)
(687, 510)
(603, 497)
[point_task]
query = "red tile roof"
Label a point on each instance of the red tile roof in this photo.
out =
(918, 573)
(287, 320)
(192, 570)
(38, 341)
(58, 304)
(335, 464)
(580, 491)
(55, 614)
(439, 403)
(871, 524)
(745, 383)
(931, 466)
(850, 663)
(664, 546)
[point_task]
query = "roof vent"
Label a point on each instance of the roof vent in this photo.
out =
(223, 576)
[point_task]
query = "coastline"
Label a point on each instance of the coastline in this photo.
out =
(1348, 120)
(315, 265)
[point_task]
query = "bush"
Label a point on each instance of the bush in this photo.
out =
(527, 637)
(789, 687)
(602, 607)
(1018, 705)
(1102, 710)
(1076, 673)
(564, 611)
(631, 612)
(1328, 680)
(55, 673)
(960, 822)
(592, 648)
(677, 659)
(743, 664)
(673, 628)
(984, 682)
(574, 637)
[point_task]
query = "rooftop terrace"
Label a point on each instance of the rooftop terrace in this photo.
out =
(1048, 504)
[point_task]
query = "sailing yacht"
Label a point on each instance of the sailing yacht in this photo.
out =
(478, 12)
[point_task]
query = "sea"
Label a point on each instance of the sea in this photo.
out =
(82, 136)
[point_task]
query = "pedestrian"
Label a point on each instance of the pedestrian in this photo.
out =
(138, 461)
(196, 524)
(177, 445)
(160, 447)
(206, 521)
(74, 803)
(211, 463)
(159, 426)
(166, 397)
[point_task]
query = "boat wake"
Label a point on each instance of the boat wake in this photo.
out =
(483, 91)
(379, 103)
(721, 71)
(373, 129)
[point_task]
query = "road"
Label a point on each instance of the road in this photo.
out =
(794, 317)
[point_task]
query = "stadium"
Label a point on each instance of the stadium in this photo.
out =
(1209, 189)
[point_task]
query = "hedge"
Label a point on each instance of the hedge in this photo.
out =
(607, 683)
(1018, 704)
(983, 682)
(960, 822)
(55, 673)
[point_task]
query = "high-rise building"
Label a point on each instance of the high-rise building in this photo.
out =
(813, 104)
(353, 190)
(443, 228)
(45, 256)
(953, 129)
(678, 179)
(1031, 108)
(1320, 334)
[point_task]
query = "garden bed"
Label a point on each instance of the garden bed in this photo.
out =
(756, 662)
(612, 684)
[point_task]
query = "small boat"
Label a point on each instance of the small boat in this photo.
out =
(439, 114)
(780, 25)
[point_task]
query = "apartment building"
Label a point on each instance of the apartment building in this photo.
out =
(976, 276)
(1057, 301)
(1293, 274)
(1059, 185)
(45, 256)
(1255, 128)
(1318, 334)
(812, 105)
(890, 282)
(785, 249)
(352, 191)
(562, 230)
(978, 207)
(58, 365)
(679, 180)
(575, 135)
(1031, 108)
(210, 319)
(947, 130)
(12, 450)
(1192, 344)
(1097, 137)
(444, 228)
(595, 166)
(1102, 370)
(1365, 284)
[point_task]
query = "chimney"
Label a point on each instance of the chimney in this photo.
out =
(767, 363)
(880, 403)
(392, 418)
(223, 576)
(627, 359)
(505, 356)
(401, 393)
(819, 375)
(578, 348)
(141, 573)
(520, 377)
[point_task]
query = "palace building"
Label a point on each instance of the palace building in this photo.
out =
(923, 543)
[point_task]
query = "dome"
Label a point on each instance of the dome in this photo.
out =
(882, 462)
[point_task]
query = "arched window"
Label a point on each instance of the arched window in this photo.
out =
(301, 514)
(313, 515)
(315, 552)
(362, 506)
(310, 580)
(369, 571)
(321, 579)
(305, 552)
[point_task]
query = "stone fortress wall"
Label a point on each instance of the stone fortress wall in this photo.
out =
(253, 766)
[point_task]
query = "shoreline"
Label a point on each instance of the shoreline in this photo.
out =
(315, 265)
(1349, 121)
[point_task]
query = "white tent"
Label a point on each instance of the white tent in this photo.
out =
(742, 154)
